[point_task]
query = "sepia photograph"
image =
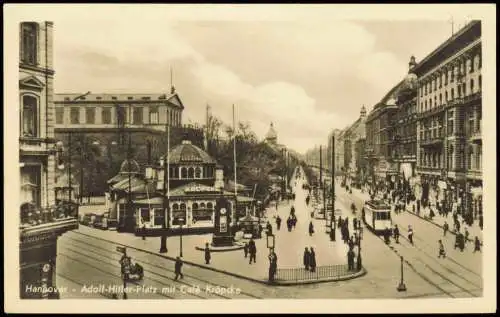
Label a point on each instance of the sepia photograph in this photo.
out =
(294, 158)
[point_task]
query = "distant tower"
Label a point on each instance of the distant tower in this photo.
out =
(272, 136)
(411, 64)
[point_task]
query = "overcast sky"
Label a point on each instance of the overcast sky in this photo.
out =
(307, 76)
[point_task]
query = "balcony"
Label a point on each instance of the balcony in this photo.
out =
(54, 220)
(432, 141)
(432, 111)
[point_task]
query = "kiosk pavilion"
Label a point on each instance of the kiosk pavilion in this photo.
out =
(195, 184)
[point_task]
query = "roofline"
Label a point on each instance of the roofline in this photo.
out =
(451, 39)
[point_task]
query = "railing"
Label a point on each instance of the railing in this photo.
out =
(57, 213)
(301, 274)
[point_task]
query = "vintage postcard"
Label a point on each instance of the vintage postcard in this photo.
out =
(291, 158)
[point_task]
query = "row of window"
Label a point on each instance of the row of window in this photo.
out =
(112, 98)
(461, 91)
(436, 159)
(106, 118)
(470, 64)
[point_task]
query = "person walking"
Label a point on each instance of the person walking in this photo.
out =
(311, 228)
(269, 229)
(306, 259)
(143, 231)
(278, 223)
(260, 230)
(396, 233)
(351, 242)
(178, 268)
(289, 224)
(445, 228)
(252, 249)
(245, 249)
(442, 253)
(355, 223)
(207, 254)
(466, 235)
(477, 245)
(410, 234)
(312, 262)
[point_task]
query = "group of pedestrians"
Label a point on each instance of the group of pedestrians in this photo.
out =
(291, 222)
(310, 259)
(250, 249)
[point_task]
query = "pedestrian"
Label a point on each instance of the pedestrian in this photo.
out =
(307, 259)
(387, 235)
(311, 228)
(477, 245)
(396, 233)
(442, 253)
(410, 234)
(252, 249)
(457, 225)
(273, 265)
(260, 230)
(143, 231)
(340, 222)
(278, 223)
(445, 228)
(294, 221)
(312, 262)
(207, 254)
(350, 260)
(461, 243)
(245, 249)
(351, 242)
(289, 224)
(355, 223)
(178, 268)
(292, 210)
(466, 238)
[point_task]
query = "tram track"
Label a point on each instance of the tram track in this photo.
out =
(151, 266)
(426, 265)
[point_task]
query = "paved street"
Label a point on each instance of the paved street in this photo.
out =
(84, 258)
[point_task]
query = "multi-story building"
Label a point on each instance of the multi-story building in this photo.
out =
(41, 221)
(403, 130)
(449, 117)
(379, 139)
(351, 136)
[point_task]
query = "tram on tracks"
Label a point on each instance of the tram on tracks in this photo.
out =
(377, 216)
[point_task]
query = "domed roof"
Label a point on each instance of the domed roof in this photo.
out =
(271, 134)
(189, 153)
(130, 166)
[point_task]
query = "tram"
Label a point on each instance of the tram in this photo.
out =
(377, 216)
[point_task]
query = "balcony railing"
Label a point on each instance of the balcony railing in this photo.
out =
(60, 218)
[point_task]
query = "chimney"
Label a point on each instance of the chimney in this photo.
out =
(363, 112)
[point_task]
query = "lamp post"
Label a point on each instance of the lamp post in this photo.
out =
(401, 286)
(360, 237)
(181, 222)
(166, 196)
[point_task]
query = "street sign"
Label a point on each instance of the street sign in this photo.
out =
(120, 249)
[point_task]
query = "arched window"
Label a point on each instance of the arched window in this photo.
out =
(197, 172)
(184, 173)
(29, 116)
(191, 172)
(183, 207)
(202, 206)
(210, 206)
(195, 206)
(29, 40)
(175, 207)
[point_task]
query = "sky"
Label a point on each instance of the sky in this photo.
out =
(307, 76)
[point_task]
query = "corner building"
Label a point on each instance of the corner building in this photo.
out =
(449, 124)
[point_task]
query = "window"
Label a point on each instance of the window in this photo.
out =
(472, 86)
(446, 96)
(98, 98)
(440, 99)
(197, 173)
(90, 115)
(113, 98)
(425, 88)
(430, 103)
(191, 172)
(435, 101)
(425, 108)
(145, 215)
(159, 217)
(472, 64)
(146, 98)
(177, 215)
(439, 81)
(450, 122)
(452, 77)
(451, 152)
(470, 158)
(153, 115)
(184, 173)
(59, 115)
(452, 93)
(30, 185)
(66, 98)
(29, 47)
(121, 114)
(469, 65)
(479, 155)
(459, 91)
(74, 115)
(106, 115)
(30, 116)
(137, 115)
(130, 98)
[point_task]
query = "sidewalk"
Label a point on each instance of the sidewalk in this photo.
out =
(437, 220)
(289, 246)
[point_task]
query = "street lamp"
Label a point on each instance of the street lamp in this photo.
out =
(181, 222)
(360, 236)
(401, 286)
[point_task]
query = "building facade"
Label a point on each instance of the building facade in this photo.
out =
(449, 156)
(41, 220)
(352, 134)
